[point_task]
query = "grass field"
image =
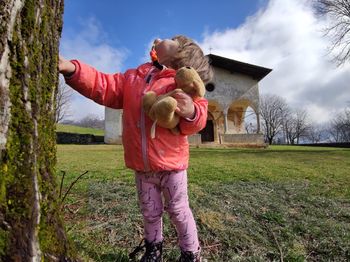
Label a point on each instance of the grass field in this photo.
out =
(281, 203)
(79, 130)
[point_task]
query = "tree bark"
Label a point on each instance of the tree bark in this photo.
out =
(30, 225)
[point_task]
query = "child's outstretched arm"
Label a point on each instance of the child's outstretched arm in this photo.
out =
(104, 89)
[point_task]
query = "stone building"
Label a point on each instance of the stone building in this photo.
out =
(233, 90)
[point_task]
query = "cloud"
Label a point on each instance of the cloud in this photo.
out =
(287, 37)
(90, 45)
(82, 107)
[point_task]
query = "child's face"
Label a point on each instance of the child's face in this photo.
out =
(166, 49)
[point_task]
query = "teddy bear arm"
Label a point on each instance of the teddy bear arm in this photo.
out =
(164, 112)
(148, 101)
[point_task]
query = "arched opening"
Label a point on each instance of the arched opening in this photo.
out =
(236, 116)
(251, 121)
(208, 132)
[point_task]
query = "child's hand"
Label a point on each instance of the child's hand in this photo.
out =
(65, 66)
(185, 106)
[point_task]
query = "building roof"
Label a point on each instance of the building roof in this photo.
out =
(234, 66)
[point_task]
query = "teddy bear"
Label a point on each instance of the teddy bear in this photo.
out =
(161, 109)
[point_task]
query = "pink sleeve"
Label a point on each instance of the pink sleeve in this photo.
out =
(193, 126)
(104, 89)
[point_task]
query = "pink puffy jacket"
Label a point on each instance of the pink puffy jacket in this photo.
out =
(124, 91)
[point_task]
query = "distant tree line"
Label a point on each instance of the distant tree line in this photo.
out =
(63, 110)
(282, 124)
(91, 121)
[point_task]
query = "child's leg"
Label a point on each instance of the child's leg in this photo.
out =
(150, 200)
(174, 187)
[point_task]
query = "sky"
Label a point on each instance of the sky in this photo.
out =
(284, 35)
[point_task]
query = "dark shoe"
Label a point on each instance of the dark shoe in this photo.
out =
(153, 252)
(188, 256)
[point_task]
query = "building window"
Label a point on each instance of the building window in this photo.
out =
(210, 87)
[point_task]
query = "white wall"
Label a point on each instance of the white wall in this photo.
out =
(113, 126)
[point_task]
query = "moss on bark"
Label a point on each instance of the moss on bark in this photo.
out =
(30, 223)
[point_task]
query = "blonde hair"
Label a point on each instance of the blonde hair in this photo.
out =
(190, 54)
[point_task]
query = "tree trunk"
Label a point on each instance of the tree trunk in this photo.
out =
(30, 225)
(270, 139)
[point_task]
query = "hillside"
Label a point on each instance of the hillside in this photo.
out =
(79, 130)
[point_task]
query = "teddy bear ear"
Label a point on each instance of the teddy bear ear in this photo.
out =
(199, 86)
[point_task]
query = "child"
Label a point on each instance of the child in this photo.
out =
(160, 163)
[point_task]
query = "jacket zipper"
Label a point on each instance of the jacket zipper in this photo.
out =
(148, 81)
(144, 141)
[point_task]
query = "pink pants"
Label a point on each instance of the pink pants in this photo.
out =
(173, 185)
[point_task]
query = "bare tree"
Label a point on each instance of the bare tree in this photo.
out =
(296, 126)
(285, 116)
(340, 127)
(63, 97)
(339, 29)
(317, 133)
(344, 123)
(272, 111)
